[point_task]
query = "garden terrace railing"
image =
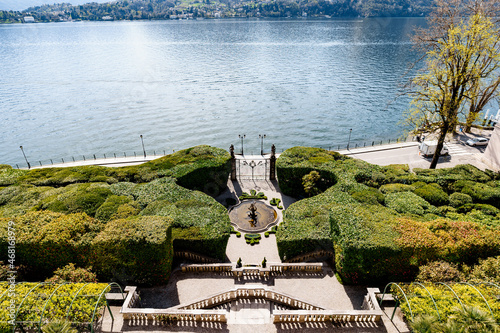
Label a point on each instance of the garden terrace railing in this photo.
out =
(337, 316)
(305, 311)
(311, 255)
(207, 268)
(271, 269)
(195, 257)
(139, 316)
(250, 292)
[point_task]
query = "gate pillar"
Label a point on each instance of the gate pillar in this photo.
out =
(272, 164)
(233, 163)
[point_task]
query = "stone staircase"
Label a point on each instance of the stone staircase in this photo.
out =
(248, 311)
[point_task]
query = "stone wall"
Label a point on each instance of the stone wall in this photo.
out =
(492, 152)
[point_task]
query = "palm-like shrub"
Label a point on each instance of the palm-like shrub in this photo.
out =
(58, 327)
(474, 320)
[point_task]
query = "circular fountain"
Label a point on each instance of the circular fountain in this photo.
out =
(252, 216)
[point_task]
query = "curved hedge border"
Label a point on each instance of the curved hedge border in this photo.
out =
(366, 235)
(162, 189)
(294, 163)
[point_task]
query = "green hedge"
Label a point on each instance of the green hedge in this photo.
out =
(365, 248)
(365, 234)
(408, 203)
(433, 194)
(75, 198)
(306, 226)
(201, 168)
(17, 200)
(47, 240)
(9, 175)
(205, 222)
(294, 163)
(482, 193)
(458, 199)
(136, 250)
(370, 196)
(395, 188)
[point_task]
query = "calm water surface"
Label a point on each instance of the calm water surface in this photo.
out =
(73, 89)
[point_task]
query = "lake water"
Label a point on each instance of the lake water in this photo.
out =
(83, 88)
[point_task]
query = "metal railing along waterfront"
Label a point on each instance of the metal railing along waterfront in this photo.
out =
(138, 156)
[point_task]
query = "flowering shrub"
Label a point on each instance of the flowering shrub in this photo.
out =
(453, 241)
(47, 240)
(439, 271)
(446, 302)
(57, 308)
(70, 273)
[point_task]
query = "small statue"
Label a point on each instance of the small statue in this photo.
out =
(231, 151)
(252, 213)
(273, 150)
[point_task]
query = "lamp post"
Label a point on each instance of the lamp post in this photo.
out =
(29, 166)
(144, 150)
(261, 137)
(348, 142)
(241, 136)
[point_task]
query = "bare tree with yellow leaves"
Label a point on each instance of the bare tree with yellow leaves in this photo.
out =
(462, 54)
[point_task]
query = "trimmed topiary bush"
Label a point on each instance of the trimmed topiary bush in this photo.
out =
(9, 175)
(76, 198)
(135, 250)
(482, 193)
(294, 163)
(433, 194)
(370, 196)
(396, 188)
(485, 209)
(200, 223)
(253, 195)
(70, 273)
(116, 207)
(439, 271)
(458, 199)
(46, 240)
(487, 270)
(408, 203)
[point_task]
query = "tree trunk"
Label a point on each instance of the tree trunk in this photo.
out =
(440, 144)
(470, 119)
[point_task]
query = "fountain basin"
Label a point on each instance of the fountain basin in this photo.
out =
(240, 219)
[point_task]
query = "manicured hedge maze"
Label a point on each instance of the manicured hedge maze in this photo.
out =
(121, 221)
(384, 222)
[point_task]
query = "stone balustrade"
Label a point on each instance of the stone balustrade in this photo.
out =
(195, 312)
(197, 268)
(311, 255)
(159, 316)
(250, 292)
(195, 257)
(273, 268)
(370, 301)
(301, 316)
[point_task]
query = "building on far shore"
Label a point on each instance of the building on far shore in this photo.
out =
(29, 19)
(107, 18)
(491, 155)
